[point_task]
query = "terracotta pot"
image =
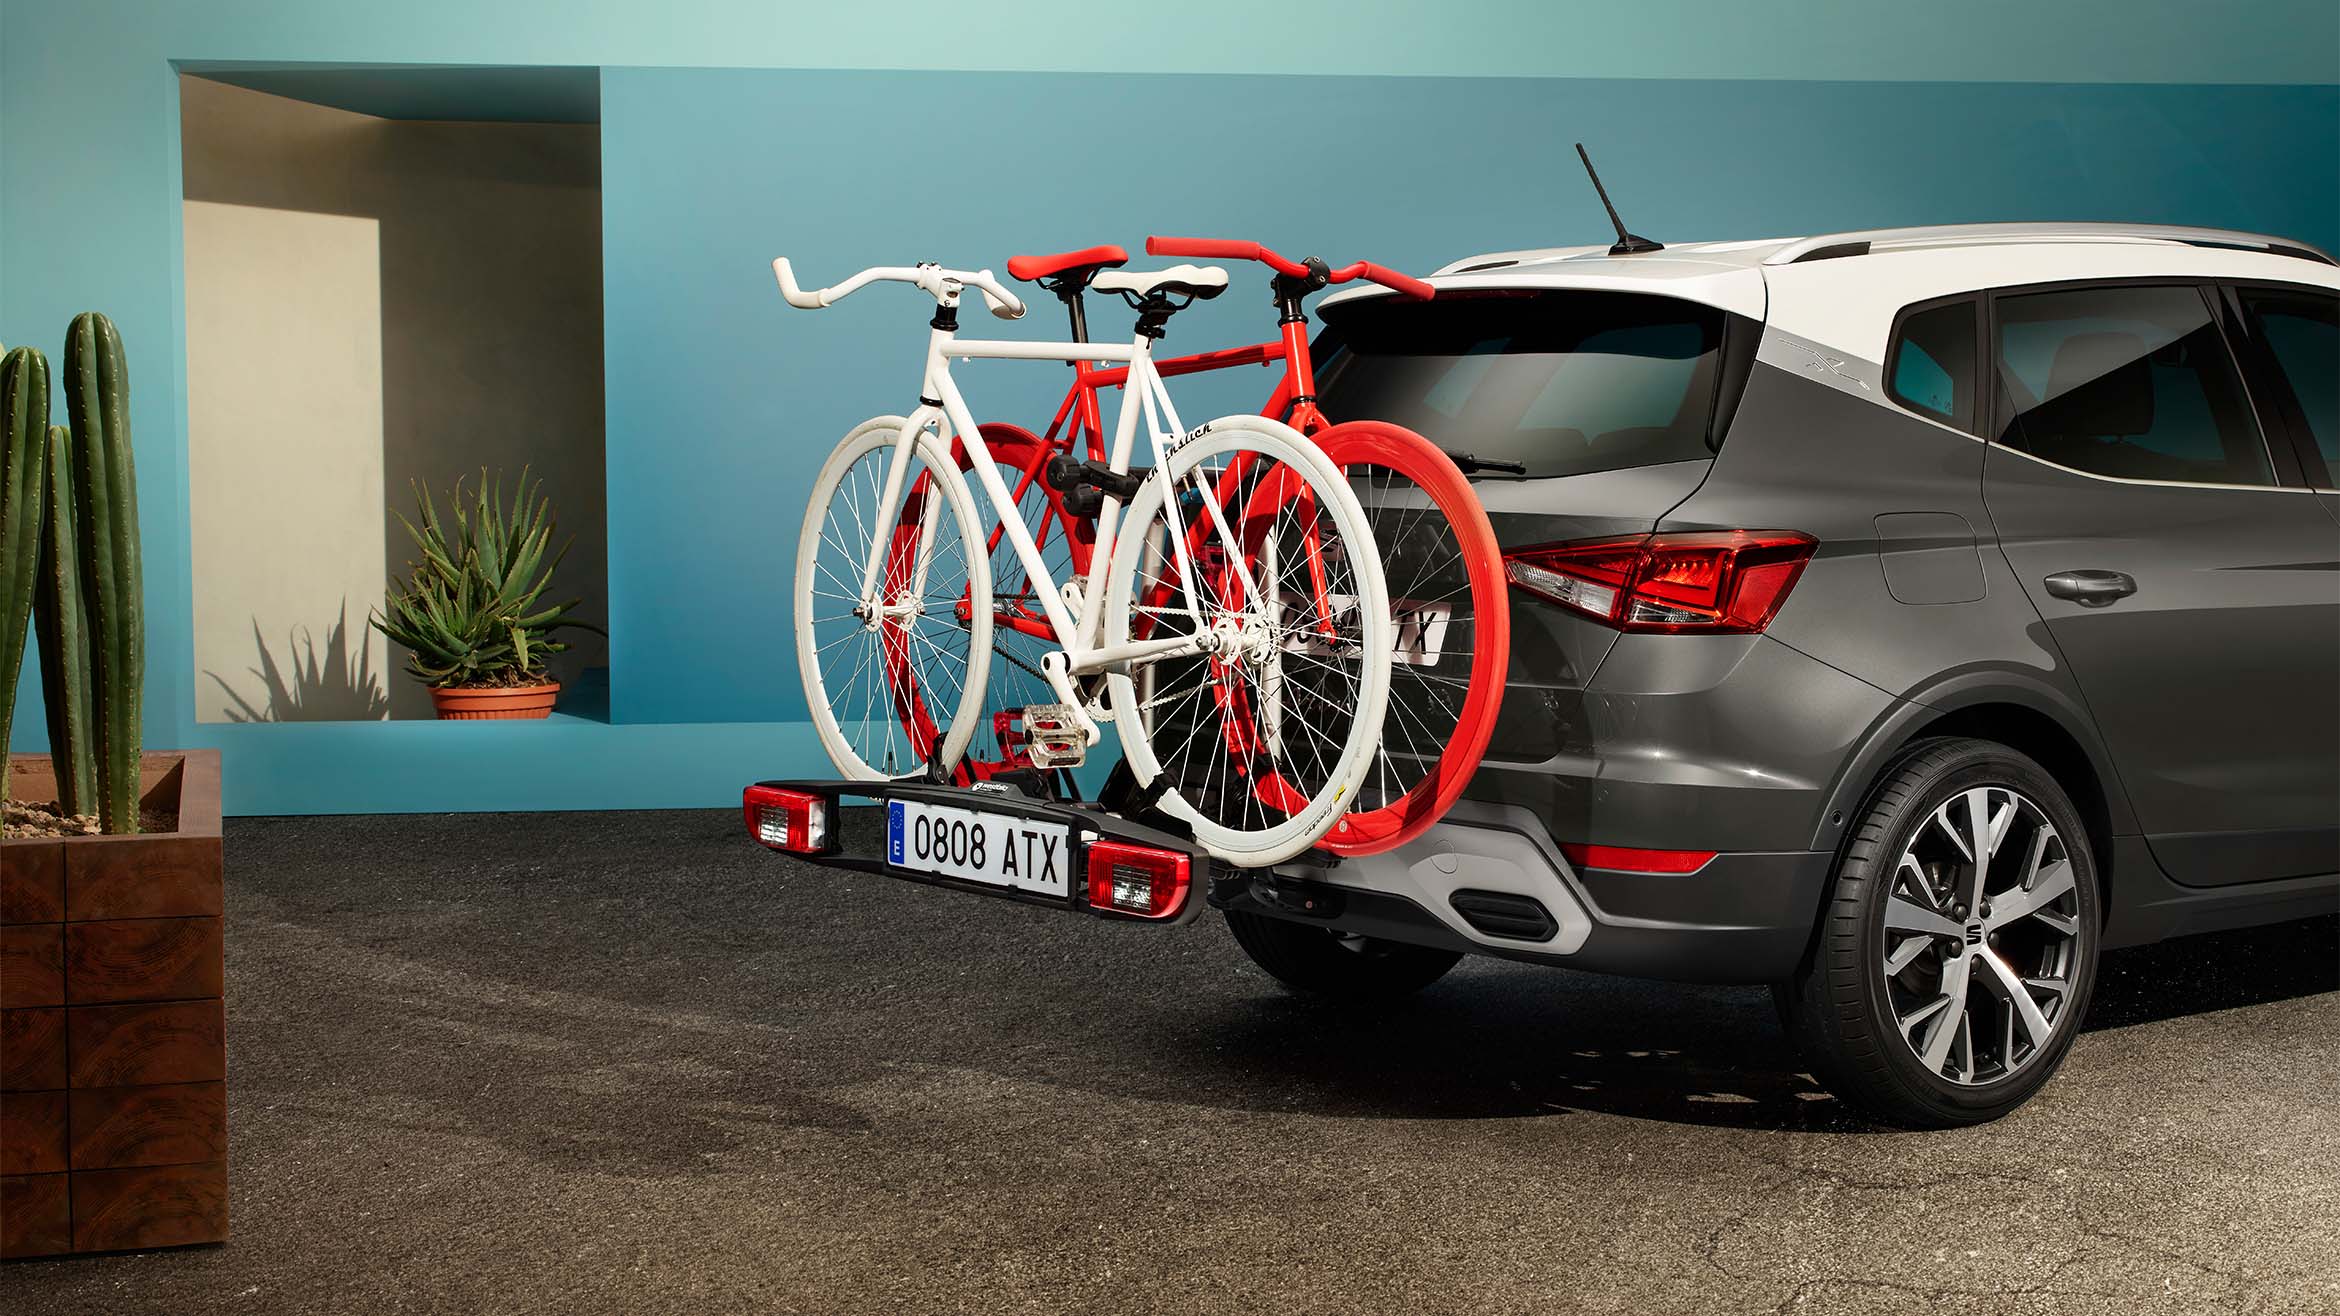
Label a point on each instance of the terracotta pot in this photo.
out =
(493, 702)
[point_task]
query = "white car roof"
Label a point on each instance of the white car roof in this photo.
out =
(1843, 289)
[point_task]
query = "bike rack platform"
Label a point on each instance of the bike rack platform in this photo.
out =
(862, 844)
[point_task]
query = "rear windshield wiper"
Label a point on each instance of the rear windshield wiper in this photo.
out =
(1473, 465)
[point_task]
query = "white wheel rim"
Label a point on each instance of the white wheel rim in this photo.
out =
(842, 669)
(1276, 442)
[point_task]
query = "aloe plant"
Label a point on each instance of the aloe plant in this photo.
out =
(471, 611)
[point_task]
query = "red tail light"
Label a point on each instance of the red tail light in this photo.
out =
(787, 820)
(1625, 859)
(1137, 880)
(1703, 582)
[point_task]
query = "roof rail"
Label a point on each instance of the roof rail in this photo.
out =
(1832, 245)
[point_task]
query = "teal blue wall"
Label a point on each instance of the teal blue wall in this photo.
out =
(726, 399)
(721, 401)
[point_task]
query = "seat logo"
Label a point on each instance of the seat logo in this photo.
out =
(1974, 934)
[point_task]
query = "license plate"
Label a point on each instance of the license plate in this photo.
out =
(1417, 630)
(991, 848)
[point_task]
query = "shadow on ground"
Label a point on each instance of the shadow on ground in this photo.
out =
(645, 990)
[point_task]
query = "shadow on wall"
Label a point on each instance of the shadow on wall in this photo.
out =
(486, 354)
(338, 685)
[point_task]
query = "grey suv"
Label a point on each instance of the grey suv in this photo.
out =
(1900, 618)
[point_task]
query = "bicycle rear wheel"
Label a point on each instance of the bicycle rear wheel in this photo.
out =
(894, 687)
(1258, 743)
(1451, 616)
(1020, 635)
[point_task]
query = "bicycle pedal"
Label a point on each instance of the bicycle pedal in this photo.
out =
(1053, 737)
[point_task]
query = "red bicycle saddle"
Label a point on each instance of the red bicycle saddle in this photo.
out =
(1082, 264)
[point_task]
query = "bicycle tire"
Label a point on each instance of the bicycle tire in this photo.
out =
(890, 670)
(1221, 817)
(1441, 714)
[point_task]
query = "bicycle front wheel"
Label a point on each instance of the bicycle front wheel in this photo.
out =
(893, 678)
(1261, 740)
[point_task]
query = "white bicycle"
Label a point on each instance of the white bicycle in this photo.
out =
(1238, 637)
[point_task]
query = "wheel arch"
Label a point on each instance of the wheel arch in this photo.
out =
(2038, 721)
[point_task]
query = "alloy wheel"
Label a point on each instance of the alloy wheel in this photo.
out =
(1981, 936)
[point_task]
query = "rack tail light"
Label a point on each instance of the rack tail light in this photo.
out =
(794, 821)
(1709, 582)
(1137, 880)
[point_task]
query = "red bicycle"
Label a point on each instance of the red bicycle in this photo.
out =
(1439, 552)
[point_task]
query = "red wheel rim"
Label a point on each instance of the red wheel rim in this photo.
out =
(1414, 458)
(1011, 446)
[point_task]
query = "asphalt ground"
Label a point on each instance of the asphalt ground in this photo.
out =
(630, 1063)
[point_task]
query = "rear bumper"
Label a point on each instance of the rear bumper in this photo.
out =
(1743, 918)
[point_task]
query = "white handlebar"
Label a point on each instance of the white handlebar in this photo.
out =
(939, 283)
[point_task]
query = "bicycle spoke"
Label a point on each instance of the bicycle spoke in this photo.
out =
(892, 683)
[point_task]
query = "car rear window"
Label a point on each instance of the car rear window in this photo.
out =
(1561, 382)
(1931, 368)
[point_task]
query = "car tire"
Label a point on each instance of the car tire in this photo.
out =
(1320, 962)
(1931, 1035)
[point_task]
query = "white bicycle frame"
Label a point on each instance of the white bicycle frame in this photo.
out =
(1082, 651)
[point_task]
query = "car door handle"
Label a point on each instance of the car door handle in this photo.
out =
(2091, 589)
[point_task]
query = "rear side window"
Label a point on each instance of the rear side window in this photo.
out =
(1561, 382)
(1932, 363)
(2134, 383)
(2302, 333)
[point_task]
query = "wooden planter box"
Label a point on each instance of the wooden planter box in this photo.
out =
(113, 1057)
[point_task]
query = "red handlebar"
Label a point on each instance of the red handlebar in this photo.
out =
(1232, 249)
(1387, 278)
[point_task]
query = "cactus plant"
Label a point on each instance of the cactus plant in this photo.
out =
(24, 455)
(63, 638)
(105, 512)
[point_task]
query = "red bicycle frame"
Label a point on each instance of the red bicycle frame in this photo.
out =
(1293, 400)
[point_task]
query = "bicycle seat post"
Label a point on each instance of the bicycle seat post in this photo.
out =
(1154, 312)
(1070, 291)
(1067, 274)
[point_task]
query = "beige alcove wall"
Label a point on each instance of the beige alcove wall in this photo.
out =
(372, 302)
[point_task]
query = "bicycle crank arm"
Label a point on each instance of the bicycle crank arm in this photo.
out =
(1059, 675)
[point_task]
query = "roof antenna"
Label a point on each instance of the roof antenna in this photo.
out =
(1627, 243)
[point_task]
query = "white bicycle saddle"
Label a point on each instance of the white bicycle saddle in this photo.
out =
(1201, 282)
